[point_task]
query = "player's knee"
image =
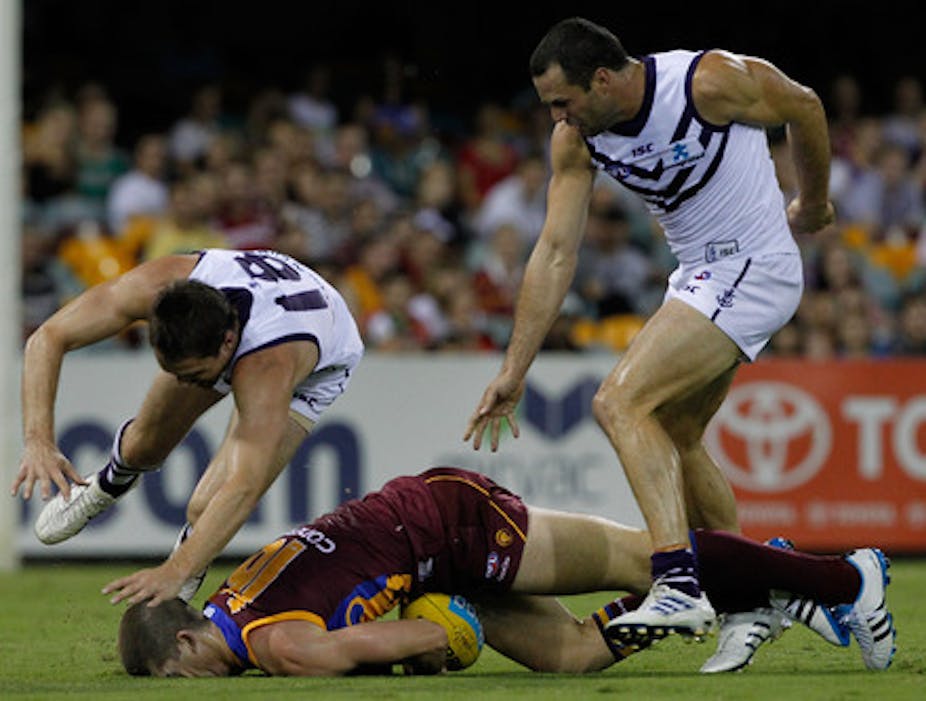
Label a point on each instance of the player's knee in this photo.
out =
(613, 408)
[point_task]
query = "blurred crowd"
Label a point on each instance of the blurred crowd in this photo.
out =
(425, 223)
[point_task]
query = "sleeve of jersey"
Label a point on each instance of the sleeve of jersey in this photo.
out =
(306, 616)
(237, 637)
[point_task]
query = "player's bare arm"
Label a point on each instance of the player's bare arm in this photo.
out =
(99, 313)
(552, 263)
(262, 384)
(728, 88)
(547, 277)
(300, 648)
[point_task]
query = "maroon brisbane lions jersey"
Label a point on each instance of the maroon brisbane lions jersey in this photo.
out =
(444, 530)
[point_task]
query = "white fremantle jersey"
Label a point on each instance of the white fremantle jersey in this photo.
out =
(713, 189)
(279, 300)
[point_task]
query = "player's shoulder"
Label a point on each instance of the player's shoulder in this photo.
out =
(721, 78)
(717, 68)
(159, 272)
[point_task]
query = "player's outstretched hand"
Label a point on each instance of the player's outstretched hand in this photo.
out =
(157, 584)
(498, 402)
(43, 463)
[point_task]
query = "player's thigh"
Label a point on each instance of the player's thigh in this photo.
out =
(568, 553)
(677, 352)
(167, 413)
(297, 429)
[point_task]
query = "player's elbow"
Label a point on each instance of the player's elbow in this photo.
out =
(805, 107)
(43, 340)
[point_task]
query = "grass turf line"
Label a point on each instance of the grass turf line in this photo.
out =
(57, 640)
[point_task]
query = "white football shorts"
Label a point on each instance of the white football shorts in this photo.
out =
(748, 297)
(318, 391)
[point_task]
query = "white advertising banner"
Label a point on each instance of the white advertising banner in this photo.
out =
(400, 415)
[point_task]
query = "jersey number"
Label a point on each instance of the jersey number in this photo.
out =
(261, 267)
(259, 571)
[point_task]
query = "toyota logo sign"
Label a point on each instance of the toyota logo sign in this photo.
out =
(769, 436)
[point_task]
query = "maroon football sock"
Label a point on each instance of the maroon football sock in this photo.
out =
(737, 573)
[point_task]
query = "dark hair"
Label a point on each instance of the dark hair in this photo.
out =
(579, 47)
(189, 320)
(148, 634)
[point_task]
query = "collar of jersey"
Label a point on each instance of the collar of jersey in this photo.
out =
(230, 631)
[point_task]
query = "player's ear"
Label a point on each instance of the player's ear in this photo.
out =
(186, 640)
(601, 77)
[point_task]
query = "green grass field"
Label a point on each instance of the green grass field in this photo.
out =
(58, 640)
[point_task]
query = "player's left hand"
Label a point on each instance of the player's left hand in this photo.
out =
(807, 220)
(156, 583)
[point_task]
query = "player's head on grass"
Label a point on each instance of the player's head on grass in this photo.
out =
(150, 636)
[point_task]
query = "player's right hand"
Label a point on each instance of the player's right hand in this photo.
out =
(499, 401)
(43, 463)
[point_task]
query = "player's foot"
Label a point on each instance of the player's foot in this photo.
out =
(62, 518)
(868, 618)
(821, 620)
(663, 612)
(191, 585)
(817, 617)
(741, 634)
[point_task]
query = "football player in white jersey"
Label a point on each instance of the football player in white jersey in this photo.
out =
(685, 131)
(257, 324)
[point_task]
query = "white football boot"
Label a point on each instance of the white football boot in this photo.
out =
(867, 617)
(821, 620)
(62, 518)
(664, 611)
(741, 634)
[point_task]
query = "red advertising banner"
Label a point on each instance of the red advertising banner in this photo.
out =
(829, 454)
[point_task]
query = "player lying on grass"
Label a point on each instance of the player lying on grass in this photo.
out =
(306, 604)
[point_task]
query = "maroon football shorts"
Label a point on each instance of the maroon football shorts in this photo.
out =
(485, 527)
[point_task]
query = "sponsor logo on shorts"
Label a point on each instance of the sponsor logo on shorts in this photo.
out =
(725, 300)
(491, 565)
(425, 569)
(703, 275)
(503, 537)
(503, 570)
